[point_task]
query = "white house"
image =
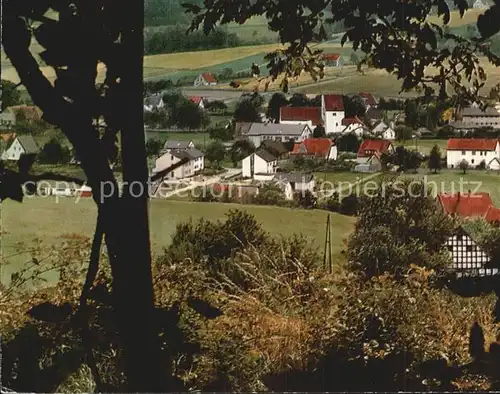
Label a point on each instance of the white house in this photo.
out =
(368, 164)
(259, 132)
(494, 164)
(379, 127)
(333, 59)
(388, 134)
(260, 165)
(474, 151)
(23, 144)
(384, 131)
(332, 112)
(195, 162)
(154, 102)
(468, 258)
(199, 101)
(295, 182)
(205, 79)
(352, 124)
(310, 116)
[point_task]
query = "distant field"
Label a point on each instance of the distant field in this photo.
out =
(455, 181)
(469, 17)
(177, 65)
(381, 82)
(50, 222)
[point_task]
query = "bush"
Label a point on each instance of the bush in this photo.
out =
(269, 194)
(306, 199)
(54, 153)
(331, 204)
(349, 205)
(278, 322)
(396, 229)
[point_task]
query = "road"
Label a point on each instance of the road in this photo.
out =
(194, 184)
(219, 94)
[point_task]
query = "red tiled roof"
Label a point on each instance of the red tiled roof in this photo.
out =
(313, 146)
(334, 102)
(493, 215)
(350, 121)
(380, 146)
(195, 99)
(331, 56)
(209, 77)
(301, 114)
(472, 144)
(369, 98)
(466, 204)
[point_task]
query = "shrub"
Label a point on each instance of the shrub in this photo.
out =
(349, 205)
(331, 204)
(306, 199)
(269, 194)
(396, 229)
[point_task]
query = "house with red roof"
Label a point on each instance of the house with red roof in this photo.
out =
(323, 148)
(353, 125)
(469, 205)
(205, 79)
(332, 112)
(333, 59)
(199, 101)
(473, 151)
(301, 115)
(369, 148)
(369, 100)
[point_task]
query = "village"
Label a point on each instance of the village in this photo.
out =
(250, 196)
(312, 155)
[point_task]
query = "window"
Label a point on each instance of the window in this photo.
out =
(473, 153)
(472, 161)
(469, 248)
(463, 153)
(172, 157)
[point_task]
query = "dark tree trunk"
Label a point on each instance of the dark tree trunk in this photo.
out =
(125, 220)
(132, 281)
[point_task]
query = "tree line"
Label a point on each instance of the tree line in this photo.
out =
(173, 39)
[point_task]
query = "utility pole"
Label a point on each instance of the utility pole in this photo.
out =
(328, 246)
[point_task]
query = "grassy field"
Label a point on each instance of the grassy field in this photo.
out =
(177, 65)
(199, 139)
(455, 181)
(381, 82)
(51, 222)
(337, 177)
(424, 146)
